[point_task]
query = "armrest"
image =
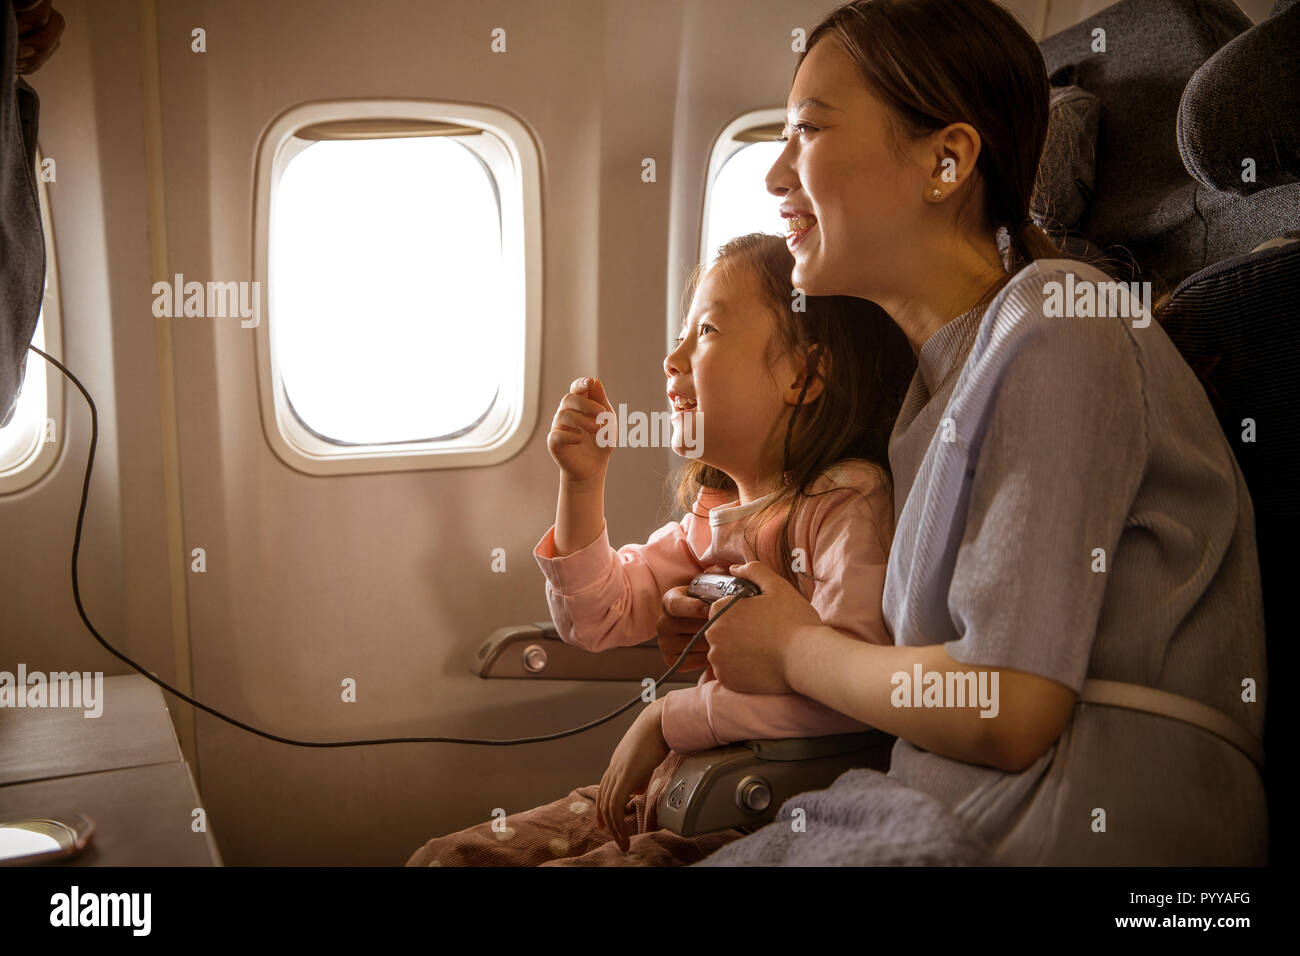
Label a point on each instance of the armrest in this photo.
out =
(744, 785)
(535, 651)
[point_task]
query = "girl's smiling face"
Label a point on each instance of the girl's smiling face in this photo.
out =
(741, 400)
(854, 200)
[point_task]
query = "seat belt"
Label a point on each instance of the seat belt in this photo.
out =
(1111, 693)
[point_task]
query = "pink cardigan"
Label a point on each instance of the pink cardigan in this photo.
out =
(601, 598)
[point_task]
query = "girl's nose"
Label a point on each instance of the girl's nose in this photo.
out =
(676, 361)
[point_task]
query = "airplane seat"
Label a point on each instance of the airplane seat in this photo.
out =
(1143, 213)
(1235, 322)
(1162, 81)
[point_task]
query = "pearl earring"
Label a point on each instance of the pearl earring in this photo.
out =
(935, 194)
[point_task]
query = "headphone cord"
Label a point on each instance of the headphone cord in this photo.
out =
(76, 594)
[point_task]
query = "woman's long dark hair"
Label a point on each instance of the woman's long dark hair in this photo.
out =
(864, 363)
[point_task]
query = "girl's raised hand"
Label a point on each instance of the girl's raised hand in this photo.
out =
(572, 441)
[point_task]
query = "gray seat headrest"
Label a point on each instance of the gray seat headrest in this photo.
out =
(1239, 117)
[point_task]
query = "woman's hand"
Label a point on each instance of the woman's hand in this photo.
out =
(747, 648)
(683, 616)
(572, 441)
(641, 750)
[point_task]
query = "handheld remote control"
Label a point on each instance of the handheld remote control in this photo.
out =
(710, 587)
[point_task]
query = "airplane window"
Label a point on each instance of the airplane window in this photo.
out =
(399, 247)
(29, 443)
(739, 202)
(387, 274)
(20, 438)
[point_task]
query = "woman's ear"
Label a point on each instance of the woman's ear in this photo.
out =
(951, 155)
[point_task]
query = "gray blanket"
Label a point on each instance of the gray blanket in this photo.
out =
(863, 819)
(22, 241)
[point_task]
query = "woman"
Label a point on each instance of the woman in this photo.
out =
(1068, 507)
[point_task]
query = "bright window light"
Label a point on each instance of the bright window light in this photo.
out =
(388, 289)
(739, 202)
(26, 429)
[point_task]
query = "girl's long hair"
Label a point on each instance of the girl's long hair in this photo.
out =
(864, 363)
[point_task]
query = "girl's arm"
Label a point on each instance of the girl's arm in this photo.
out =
(574, 444)
(601, 598)
(579, 514)
(845, 533)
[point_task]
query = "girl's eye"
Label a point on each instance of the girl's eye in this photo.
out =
(705, 325)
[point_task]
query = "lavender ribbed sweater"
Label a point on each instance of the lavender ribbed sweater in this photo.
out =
(1070, 435)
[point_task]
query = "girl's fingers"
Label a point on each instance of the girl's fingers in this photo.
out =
(574, 419)
(557, 440)
(582, 404)
(617, 820)
(562, 429)
(597, 394)
(609, 812)
(602, 803)
(679, 605)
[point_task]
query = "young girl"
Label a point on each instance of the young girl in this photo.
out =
(784, 406)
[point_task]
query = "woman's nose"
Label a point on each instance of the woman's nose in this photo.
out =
(780, 178)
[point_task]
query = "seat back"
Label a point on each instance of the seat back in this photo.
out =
(1198, 166)
(1148, 215)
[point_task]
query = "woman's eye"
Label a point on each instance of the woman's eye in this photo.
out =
(705, 325)
(796, 128)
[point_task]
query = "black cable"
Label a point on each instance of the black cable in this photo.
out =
(76, 594)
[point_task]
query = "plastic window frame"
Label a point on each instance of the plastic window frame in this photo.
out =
(511, 155)
(726, 145)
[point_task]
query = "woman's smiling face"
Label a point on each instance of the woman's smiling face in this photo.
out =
(854, 200)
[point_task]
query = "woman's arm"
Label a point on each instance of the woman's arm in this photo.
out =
(781, 647)
(862, 680)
